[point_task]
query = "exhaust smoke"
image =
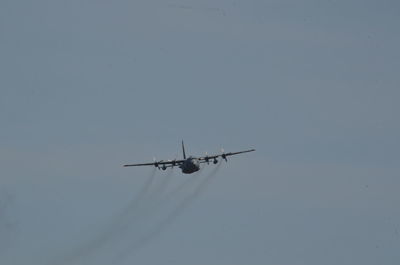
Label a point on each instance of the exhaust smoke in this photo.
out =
(137, 223)
(176, 211)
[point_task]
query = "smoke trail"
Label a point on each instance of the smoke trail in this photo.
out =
(178, 210)
(143, 192)
(158, 202)
(148, 201)
(115, 227)
(159, 190)
(139, 208)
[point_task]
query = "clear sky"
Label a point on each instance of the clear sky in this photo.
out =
(86, 86)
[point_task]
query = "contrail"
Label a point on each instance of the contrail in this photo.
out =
(160, 227)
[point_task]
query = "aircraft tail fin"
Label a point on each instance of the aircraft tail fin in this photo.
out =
(183, 150)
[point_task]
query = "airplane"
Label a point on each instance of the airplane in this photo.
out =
(190, 164)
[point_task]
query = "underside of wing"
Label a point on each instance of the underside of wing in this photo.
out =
(240, 152)
(143, 164)
(207, 158)
(158, 163)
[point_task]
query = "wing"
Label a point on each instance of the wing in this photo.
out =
(169, 163)
(207, 158)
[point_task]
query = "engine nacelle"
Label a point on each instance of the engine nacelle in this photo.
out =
(215, 161)
(164, 167)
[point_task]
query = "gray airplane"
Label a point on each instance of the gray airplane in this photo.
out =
(191, 164)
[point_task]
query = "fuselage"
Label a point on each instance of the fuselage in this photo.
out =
(190, 165)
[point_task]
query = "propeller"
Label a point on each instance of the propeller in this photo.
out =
(207, 159)
(155, 162)
(223, 155)
(173, 162)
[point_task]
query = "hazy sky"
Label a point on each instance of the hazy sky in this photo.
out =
(86, 86)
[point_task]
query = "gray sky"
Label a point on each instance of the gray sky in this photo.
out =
(87, 86)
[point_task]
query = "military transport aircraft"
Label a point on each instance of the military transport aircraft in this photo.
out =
(191, 164)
